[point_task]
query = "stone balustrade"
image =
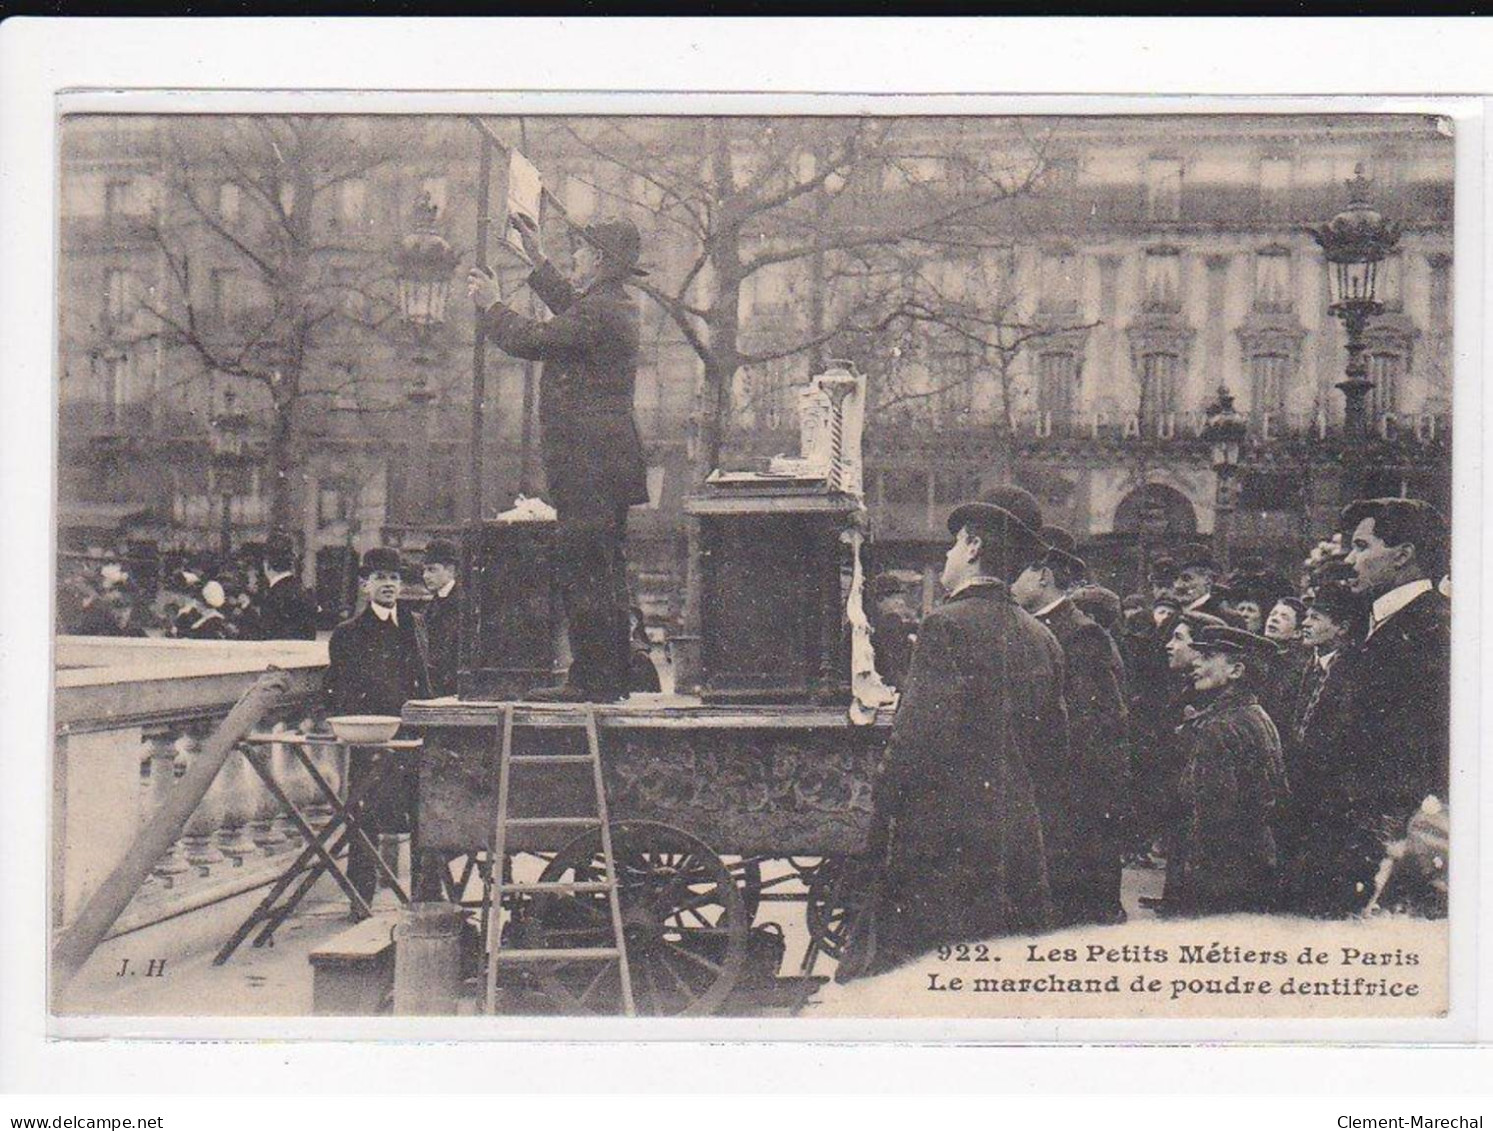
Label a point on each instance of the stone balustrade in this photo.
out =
(130, 715)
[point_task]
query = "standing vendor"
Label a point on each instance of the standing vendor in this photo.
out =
(593, 458)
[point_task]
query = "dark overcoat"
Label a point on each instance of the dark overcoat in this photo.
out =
(443, 626)
(1232, 787)
(592, 454)
(1401, 688)
(954, 798)
(285, 611)
(1086, 879)
(1329, 847)
(374, 668)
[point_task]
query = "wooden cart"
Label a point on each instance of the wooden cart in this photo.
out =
(714, 811)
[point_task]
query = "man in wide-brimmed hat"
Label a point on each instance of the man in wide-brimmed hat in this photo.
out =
(1084, 858)
(958, 833)
(593, 458)
(1233, 784)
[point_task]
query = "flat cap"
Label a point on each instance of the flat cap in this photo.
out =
(1235, 641)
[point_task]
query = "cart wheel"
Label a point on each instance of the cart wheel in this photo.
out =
(748, 874)
(683, 920)
(837, 894)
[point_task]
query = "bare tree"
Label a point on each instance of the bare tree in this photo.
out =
(262, 231)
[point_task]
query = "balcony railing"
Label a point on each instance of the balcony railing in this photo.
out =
(130, 717)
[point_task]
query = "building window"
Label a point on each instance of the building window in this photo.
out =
(1273, 280)
(222, 288)
(1441, 293)
(1163, 279)
(352, 203)
(1057, 388)
(116, 295)
(1159, 378)
(1269, 375)
(955, 385)
(773, 389)
(1164, 188)
(230, 201)
(1385, 371)
(116, 391)
(435, 189)
(1275, 187)
(1059, 282)
(116, 199)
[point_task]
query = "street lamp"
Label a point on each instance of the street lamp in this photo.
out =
(423, 265)
(229, 442)
(1355, 242)
(1224, 430)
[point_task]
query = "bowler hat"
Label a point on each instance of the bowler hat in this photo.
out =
(1008, 513)
(380, 559)
(1163, 571)
(1060, 553)
(1234, 641)
(1195, 555)
(441, 551)
(618, 241)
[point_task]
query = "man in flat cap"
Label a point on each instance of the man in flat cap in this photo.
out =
(1400, 673)
(1084, 861)
(593, 458)
(958, 838)
(1233, 783)
(283, 610)
(376, 663)
(442, 614)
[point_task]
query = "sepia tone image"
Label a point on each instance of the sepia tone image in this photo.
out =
(823, 567)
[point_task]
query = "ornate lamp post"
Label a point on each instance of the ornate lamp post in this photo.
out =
(1224, 430)
(423, 266)
(1355, 242)
(229, 443)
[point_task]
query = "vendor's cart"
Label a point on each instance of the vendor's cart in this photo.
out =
(714, 811)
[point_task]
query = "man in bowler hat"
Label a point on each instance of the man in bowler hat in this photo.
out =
(442, 614)
(283, 610)
(593, 458)
(957, 832)
(377, 663)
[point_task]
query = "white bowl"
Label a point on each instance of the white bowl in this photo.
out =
(364, 728)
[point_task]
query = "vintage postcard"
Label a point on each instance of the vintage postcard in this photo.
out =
(772, 565)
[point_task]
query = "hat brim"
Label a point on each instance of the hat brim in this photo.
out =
(1017, 533)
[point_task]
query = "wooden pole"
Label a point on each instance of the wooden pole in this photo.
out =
(77, 941)
(479, 339)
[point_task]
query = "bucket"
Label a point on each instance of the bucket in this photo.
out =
(427, 960)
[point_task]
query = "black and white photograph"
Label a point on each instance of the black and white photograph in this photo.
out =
(773, 565)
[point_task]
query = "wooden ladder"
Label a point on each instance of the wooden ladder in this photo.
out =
(579, 715)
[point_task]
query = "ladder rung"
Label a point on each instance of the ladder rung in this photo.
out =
(584, 887)
(549, 759)
(567, 822)
(558, 954)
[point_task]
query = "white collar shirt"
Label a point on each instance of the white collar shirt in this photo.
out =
(272, 578)
(389, 615)
(1388, 604)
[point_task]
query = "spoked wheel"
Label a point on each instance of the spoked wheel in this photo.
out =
(838, 890)
(683, 919)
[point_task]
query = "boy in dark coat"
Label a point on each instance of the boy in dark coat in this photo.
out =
(377, 663)
(593, 458)
(957, 834)
(1232, 787)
